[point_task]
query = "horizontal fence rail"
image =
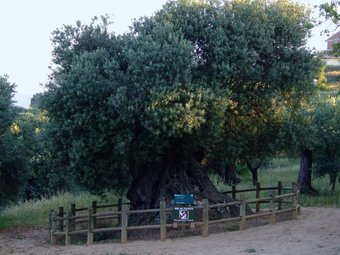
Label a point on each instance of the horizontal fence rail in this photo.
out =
(91, 220)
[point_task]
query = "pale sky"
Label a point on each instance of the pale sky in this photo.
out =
(26, 27)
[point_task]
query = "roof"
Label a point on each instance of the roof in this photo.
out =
(335, 36)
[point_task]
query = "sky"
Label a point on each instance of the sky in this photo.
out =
(26, 27)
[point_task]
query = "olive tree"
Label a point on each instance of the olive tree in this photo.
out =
(327, 153)
(150, 109)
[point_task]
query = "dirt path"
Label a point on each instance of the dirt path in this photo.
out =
(317, 231)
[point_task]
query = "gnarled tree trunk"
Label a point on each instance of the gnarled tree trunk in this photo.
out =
(164, 179)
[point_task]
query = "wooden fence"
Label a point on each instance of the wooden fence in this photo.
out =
(85, 220)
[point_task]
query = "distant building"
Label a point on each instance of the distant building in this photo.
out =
(332, 40)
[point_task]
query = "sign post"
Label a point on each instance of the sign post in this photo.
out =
(183, 212)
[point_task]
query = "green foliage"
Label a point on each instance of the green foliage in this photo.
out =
(6, 94)
(327, 115)
(321, 78)
(36, 100)
(24, 142)
(9, 162)
(335, 49)
(21, 149)
(193, 80)
(330, 11)
(315, 126)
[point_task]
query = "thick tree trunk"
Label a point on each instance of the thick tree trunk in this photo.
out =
(163, 180)
(305, 174)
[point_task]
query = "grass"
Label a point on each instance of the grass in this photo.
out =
(333, 78)
(286, 171)
(34, 213)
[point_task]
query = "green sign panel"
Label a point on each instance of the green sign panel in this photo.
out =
(183, 214)
(184, 199)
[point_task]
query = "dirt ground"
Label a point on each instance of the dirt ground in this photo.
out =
(317, 231)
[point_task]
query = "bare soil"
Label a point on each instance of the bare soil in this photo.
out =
(317, 231)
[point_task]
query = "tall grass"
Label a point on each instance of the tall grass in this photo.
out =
(35, 212)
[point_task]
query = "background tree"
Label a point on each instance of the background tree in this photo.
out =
(21, 147)
(312, 132)
(27, 141)
(178, 90)
(327, 153)
(6, 103)
(330, 11)
(262, 142)
(9, 165)
(298, 136)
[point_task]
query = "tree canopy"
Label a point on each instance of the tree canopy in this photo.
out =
(6, 102)
(327, 153)
(8, 163)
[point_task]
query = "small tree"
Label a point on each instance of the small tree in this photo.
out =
(313, 132)
(297, 137)
(327, 154)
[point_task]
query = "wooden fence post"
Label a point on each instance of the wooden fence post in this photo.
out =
(279, 192)
(205, 218)
(90, 226)
(295, 200)
(272, 208)
(298, 193)
(294, 207)
(94, 211)
(119, 206)
(258, 195)
(53, 227)
(50, 223)
(124, 222)
(73, 209)
(243, 213)
(61, 221)
(67, 228)
(162, 216)
(233, 189)
(73, 214)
